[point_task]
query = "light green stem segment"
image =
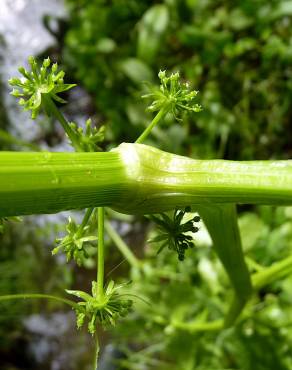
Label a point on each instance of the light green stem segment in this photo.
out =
(10, 297)
(135, 179)
(100, 251)
(277, 271)
(96, 352)
(122, 246)
(154, 122)
(53, 110)
(221, 222)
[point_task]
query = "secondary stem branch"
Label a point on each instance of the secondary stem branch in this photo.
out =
(153, 123)
(38, 296)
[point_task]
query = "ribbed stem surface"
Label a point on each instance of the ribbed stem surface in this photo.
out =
(134, 178)
(33, 183)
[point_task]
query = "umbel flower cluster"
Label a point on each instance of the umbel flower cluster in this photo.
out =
(73, 244)
(173, 95)
(174, 233)
(104, 308)
(38, 85)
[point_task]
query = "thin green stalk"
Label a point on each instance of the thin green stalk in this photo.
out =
(269, 274)
(53, 110)
(96, 352)
(100, 252)
(221, 222)
(122, 246)
(195, 327)
(153, 123)
(7, 138)
(84, 222)
(38, 296)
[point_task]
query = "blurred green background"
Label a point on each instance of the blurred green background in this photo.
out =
(238, 54)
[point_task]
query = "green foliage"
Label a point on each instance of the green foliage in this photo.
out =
(164, 335)
(101, 307)
(38, 84)
(173, 232)
(237, 53)
(7, 219)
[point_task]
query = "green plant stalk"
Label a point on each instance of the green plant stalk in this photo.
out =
(96, 352)
(153, 123)
(7, 138)
(122, 246)
(10, 297)
(268, 275)
(53, 110)
(195, 327)
(100, 252)
(221, 222)
(135, 179)
(84, 222)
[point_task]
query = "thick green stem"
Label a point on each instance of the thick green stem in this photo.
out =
(32, 183)
(100, 252)
(221, 221)
(153, 123)
(135, 179)
(122, 246)
(10, 297)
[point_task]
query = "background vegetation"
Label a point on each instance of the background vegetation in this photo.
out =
(238, 54)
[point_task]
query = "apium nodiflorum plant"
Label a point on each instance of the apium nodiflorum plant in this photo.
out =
(135, 178)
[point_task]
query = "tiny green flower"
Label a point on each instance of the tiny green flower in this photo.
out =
(105, 308)
(173, 95)
(38, 84)
(89, 138)
(173, 232)
(73, 244)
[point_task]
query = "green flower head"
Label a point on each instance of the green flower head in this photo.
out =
(173, 95)
(104, 309)
(39, 84)
(73, 244)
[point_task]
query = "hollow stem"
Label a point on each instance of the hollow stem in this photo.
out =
(135, 179)
(100, 252)
(153, 123)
